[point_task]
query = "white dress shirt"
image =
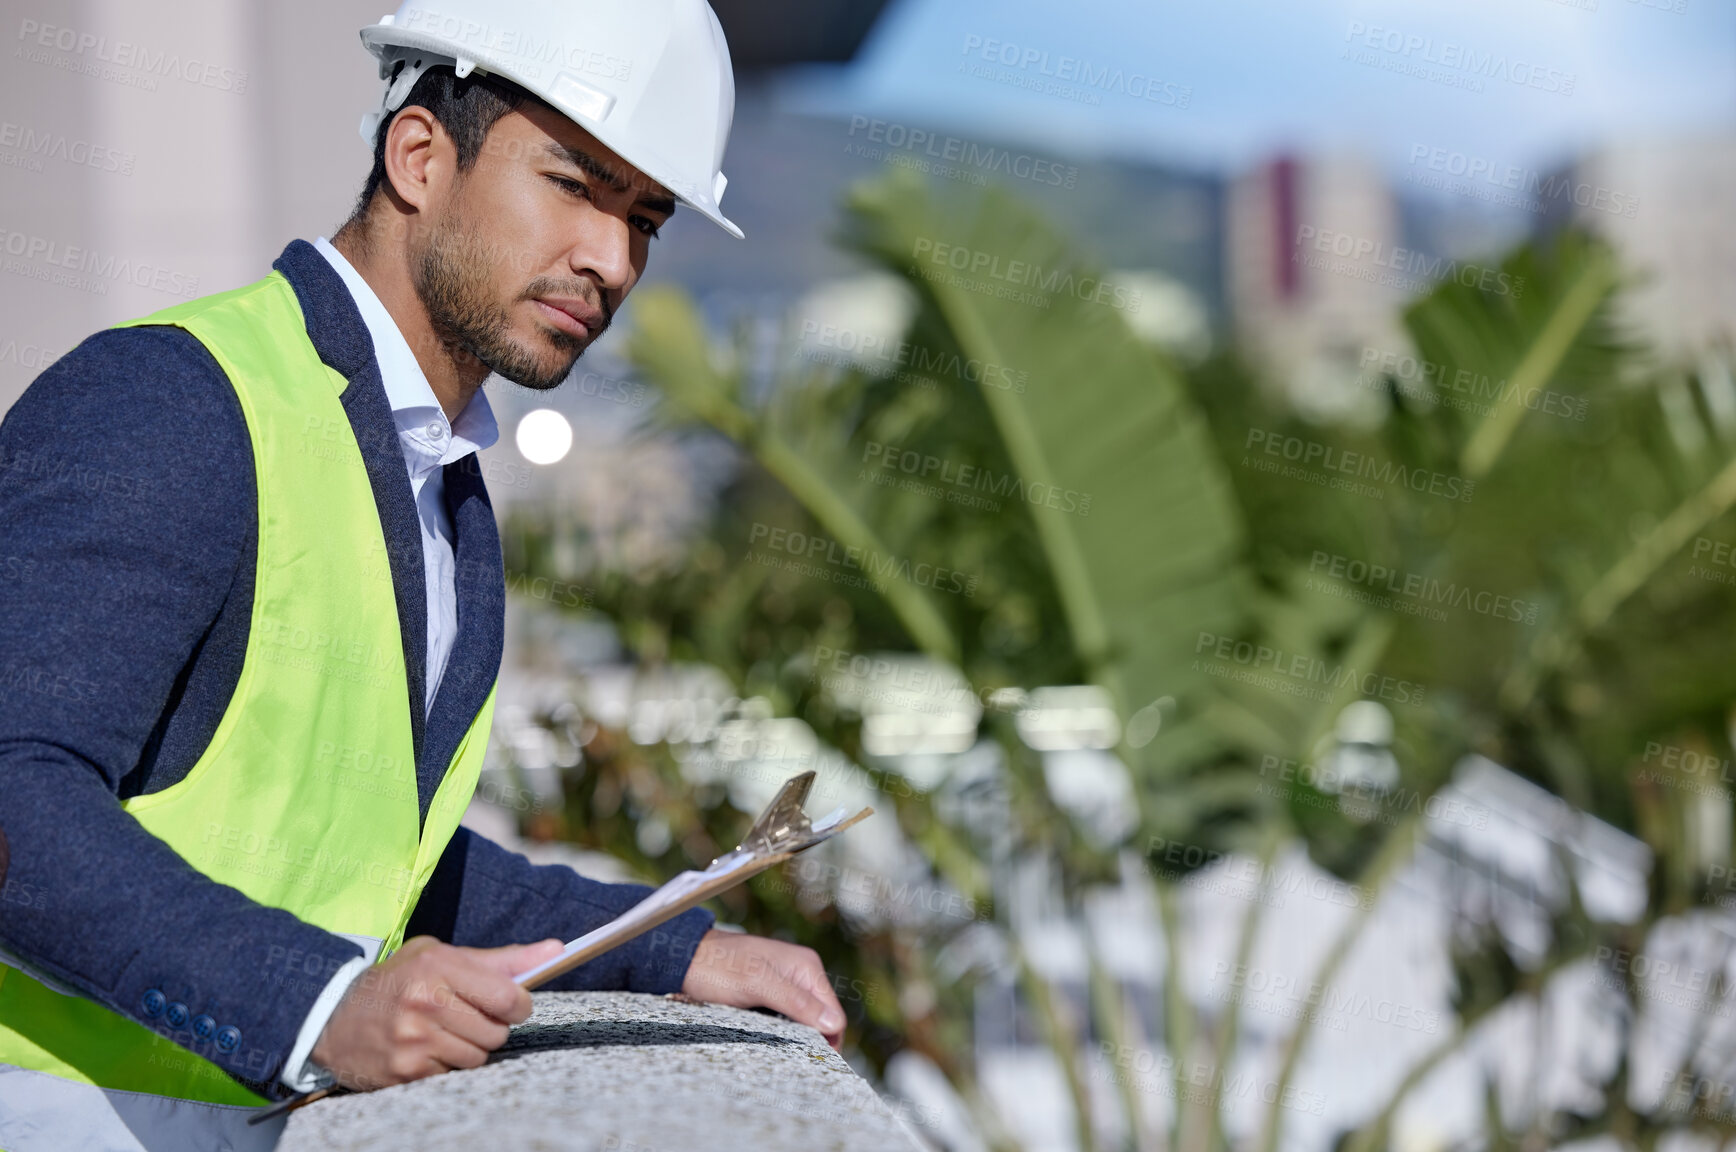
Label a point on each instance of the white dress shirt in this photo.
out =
(429, 443)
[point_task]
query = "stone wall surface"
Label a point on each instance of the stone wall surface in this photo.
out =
(621, 1072)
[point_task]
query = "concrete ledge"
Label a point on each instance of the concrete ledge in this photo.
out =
(621, 1072)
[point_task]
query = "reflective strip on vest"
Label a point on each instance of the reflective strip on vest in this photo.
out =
(44, 1113)
(305, 799)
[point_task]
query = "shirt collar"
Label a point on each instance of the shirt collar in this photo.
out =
(415, 408)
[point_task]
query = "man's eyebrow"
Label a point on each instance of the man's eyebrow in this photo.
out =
(596, 169)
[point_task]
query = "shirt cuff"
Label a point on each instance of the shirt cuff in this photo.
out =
(300, 1073)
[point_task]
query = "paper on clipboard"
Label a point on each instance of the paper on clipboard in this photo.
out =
(670, 895)
(781, 831)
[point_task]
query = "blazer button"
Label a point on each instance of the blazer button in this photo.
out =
(177, 1014)
(154, 1002)
(203, 1026)
(228, 1038)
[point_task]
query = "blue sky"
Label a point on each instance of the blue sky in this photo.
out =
(1264, 75)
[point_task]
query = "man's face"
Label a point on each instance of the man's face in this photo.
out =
(527, 255)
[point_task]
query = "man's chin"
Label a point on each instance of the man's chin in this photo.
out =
(540, 376)
(538, 383)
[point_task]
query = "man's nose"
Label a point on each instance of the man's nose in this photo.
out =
(606, 252)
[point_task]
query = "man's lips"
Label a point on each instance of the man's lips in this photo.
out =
(573, 316)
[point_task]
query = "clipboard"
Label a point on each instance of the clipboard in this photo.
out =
(781, 832)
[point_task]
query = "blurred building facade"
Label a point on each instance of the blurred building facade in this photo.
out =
(1664, 205)
(1308, 243)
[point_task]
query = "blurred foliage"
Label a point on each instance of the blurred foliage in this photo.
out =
(1592, 475)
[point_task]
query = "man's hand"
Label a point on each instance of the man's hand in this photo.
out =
(745, 971)
(427, 1008)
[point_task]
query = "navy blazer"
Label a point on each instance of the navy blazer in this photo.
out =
(128, 532)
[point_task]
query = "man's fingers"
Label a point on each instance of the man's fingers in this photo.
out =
(831, 1014)
(456, 1052)
(791, 998)
(491, 989)
(829, 1017)
(496, 999)
(515, 958)
(826, 1015)
(473, 1026)
(441, 1052)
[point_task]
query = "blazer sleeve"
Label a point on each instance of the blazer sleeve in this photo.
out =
(483, 896)
(126, 500)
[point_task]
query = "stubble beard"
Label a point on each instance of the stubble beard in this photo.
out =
(451, 279)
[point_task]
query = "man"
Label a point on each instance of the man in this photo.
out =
(253, 613)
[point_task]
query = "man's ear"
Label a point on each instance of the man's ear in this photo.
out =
(420, 158)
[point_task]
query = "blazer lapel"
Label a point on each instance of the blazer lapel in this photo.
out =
(475, 660)
(377, 435)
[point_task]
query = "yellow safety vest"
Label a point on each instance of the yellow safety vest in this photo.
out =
(305, 799)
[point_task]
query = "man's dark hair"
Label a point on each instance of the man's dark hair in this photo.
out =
(465, 108)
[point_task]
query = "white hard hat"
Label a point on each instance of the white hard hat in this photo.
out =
(651, 79)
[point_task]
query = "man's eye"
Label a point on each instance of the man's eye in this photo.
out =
(644, 224)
